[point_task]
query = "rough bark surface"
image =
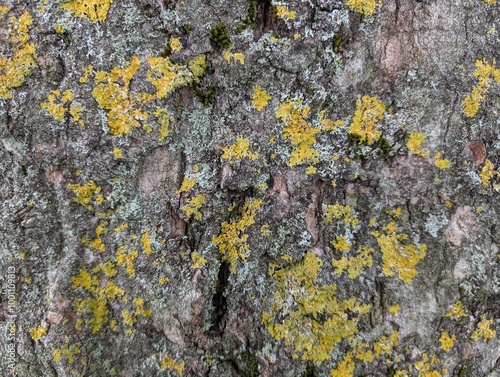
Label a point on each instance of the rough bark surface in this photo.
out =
(250, 188)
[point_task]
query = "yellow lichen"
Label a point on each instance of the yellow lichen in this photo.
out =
(386, 344)
(169, 363)
(339, 212)
(364, 7)
(100, 294)
(69, 352)
(3, 11)
(397, 257)
(484, 72)
(260, 98)
(232, 240)
(369, 111)
(283, 12)
(95, 10)
(328, 124)
(415, 142)
(483, 330)
(239, 150)
(446, 341)
(167, 76)
(264, 230)
(441, 163)
(126, 260)
(187, 185)
(456, 312)
(395, 309)
(311, 170)
(146, 243)
(300, 132)
(14, 70)
(164, 121)
(312, 319)
(128, 318)
(85, 192)
(345, 367)
(117, 153)
(197, 66)
(37, 332)
(193, 205)
(175, 44)
(113, 95)
(488, 172)
(355, 264)
(87, 71)
(198, 260)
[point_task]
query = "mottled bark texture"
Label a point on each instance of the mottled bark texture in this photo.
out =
(250, 188)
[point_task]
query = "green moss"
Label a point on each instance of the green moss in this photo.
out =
(220, 36)
(338, 44)
(207, 97)
(249, 365)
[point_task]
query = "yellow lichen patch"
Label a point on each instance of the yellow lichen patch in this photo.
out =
(108, 268)
(264, 230)
(187, 185)
(68, 352)
(415, 142)
(328, 124)
(169, 363)
(97, 304)
(488, 172)
(456, 311)
(175, 44)
(167, 76)
(345, 367)
(395, 309)
(260, 98)
(87, 71)
(164, 121)
(3, 11)
(113, 95)
(85, 193)
(95, 10)
(14, 70)
(341, 244)
(355, 264)
(60, 107)
(193, 205)
(364, 7)
(232, 240)
(484, 72)
(441, 163)
(59, 28)
(97, 242)
(128, 318)
(312, 319)
(446, 341)
(300, 132)
(369, 111)
(237, 56)
(386, 344)
(139, 308)
(117, 153)
(239, 150)
(146, 243)
(427, 368)
(197, 66)
(37, 332)
(398, 258)
(490, 2)
(126, 260)
(198, 260)
(311, 170)
(483, 330)
(339, 212)
(283, 12)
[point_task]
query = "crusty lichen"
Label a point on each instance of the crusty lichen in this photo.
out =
(299, 131)
(415, 142)
(483, 330)
(260, 98)
(14, 70)
(85, 193)
(239, 150)
(193, 206)
(484, 72)
(167, 76)
(232, 239)
(95, 10)
(397, 257)
(312, 319)
(369, 111)
(364, 7)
